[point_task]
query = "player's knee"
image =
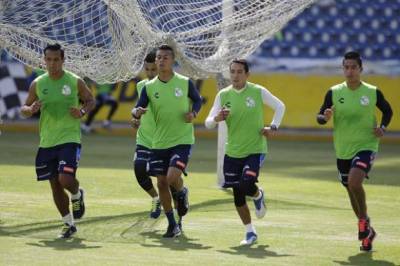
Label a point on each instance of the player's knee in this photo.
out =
(248, 186)
(65, 180)
(239, 197)
(162, 183)
(142, 175)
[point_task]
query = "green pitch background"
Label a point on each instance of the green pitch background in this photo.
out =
(309, 219)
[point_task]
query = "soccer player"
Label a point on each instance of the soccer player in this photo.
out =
(144, 138)
(241, 106)
(174, 102)
(356, 135)
(56, 94)
(103, 97)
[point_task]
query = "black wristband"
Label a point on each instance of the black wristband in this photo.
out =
(273, 127)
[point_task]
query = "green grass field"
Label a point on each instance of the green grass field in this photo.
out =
(309, 219)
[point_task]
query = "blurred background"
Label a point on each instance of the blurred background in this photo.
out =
(298, 65)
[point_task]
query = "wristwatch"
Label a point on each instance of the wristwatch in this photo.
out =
(82, 111)
(273, 127)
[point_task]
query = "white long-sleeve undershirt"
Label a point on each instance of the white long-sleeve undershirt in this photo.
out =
(267, 98)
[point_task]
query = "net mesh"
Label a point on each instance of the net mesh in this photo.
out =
(108, 40)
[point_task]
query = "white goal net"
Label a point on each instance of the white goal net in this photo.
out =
(108, 40)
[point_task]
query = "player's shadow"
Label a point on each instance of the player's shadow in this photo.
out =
(63, 244)
(180, 243)
(254, 251)
(363, 259)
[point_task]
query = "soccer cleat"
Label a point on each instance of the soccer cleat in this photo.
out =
(78, 206)
(366, 243)
(155, 208)
(172, 231)
(363, 228)
(67, 231)
(250, 239)
(183, 201)
(259, 204)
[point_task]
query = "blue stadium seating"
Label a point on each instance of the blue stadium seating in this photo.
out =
(330, 28)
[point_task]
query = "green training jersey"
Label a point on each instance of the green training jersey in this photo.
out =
(354, 119)
(56, 125)
(144, 135)
(103, 88)
(169, 103)
(245, 120)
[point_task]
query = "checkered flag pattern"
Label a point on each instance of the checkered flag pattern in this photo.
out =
(13, 89)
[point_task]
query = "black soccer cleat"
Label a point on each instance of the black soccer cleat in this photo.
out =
(183, 201)
(366, 243)
(172, 231)
(67, 231)
(78, 206)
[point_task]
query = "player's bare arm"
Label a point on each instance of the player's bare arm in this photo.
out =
(32, 104)
(85, 95)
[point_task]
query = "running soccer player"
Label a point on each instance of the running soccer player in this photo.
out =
(174, 102)
(56, 94)
(356, 135)
(241, 106)
(144, 139)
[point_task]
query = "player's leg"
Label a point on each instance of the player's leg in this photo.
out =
(69, 156)
(179, 159)
(360, 166)
(46, 169)
(232, 169)
(109, 100)
(61, 200)
(141, 168)
(159, 167)
(248, 182)
(244, 214)
(343, 167)
(86, 127)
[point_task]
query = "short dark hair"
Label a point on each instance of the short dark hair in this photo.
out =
(150, 57)
(166, 47)
(54, 47)
(242, 62)
(353, 55)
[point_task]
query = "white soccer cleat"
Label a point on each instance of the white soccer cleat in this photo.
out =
(250, 239)
(259, 204)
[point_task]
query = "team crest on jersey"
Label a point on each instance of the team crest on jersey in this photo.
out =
(66, 90)
(178, 92)
(250, 102)
(364, 100)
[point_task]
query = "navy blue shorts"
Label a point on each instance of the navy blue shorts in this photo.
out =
(143, 154)
(60, 159)
(162, 159)
(237, 169)
(362, 160)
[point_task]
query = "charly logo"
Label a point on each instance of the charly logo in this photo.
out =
(364, 100)
(250, 102)
(66, 90)
(178, 92)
